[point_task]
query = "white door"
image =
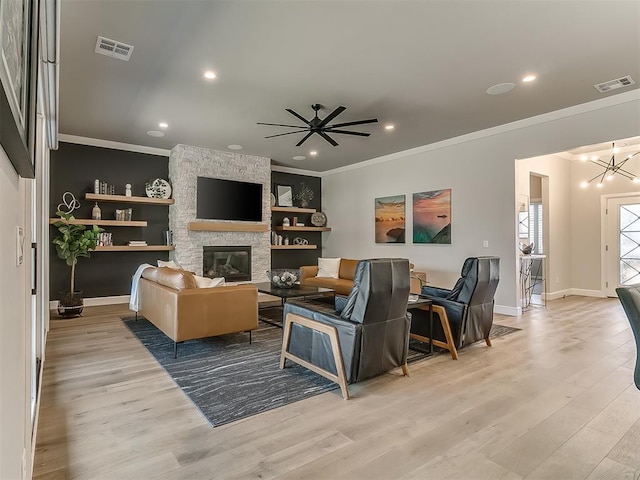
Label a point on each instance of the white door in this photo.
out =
(622, 247)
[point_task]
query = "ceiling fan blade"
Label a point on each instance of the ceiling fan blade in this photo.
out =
(281, 125)
(332, 115)
(304, 139)
(288, 133)
(346, 132)
(328, 139)
(297, 115)
(358, 122)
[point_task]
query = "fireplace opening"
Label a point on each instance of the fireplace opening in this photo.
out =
(232, 263)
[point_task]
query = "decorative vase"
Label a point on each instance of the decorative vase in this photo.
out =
(304, 203)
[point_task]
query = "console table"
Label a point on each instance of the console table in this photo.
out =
(533, 276)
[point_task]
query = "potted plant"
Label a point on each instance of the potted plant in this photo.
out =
(74, 242)
(304, 195)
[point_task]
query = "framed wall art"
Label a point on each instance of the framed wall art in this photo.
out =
(432, 217)
(284, 195)
(390, 219)
(18, 57)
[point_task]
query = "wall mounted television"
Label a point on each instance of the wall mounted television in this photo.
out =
(219, 199)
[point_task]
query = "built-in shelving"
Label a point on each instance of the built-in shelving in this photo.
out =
(95, 197)
(227, 227)
(293, 210)
(126, 248)
(303, 229)
(294, 247)
(104, 223)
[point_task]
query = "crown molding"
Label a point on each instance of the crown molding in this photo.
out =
(97, 142)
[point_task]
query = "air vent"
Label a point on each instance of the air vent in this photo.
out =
(113, 48)
(613, 84)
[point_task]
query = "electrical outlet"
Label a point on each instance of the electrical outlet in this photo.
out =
(485, 243)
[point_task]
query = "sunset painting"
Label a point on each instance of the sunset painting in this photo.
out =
(432, 217)
(390, 219)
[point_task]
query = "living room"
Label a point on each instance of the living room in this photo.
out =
(483, 164)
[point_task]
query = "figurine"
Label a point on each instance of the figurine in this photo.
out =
(127, 190)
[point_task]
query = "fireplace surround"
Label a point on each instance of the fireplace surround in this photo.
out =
(232, 263)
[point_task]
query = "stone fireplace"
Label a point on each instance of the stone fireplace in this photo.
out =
(186, 164)
(232, 263)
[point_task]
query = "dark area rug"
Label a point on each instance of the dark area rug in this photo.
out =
(228, 379)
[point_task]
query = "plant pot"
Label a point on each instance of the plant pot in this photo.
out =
(304, 204)
(70, 304)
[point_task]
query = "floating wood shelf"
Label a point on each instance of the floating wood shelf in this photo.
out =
(227, 227)
(294, 247)
(124, 199)
(304, 229)
(105, 223)
(293, 210)
(126, 248)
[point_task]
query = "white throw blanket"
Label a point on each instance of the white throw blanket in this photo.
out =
(133, 299)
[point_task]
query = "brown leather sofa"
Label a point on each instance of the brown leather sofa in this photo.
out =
(170, 300)
(342, 285)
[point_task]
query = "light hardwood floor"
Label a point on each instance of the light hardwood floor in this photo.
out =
(555, 400)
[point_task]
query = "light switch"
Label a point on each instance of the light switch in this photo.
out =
(485, 243)
(19, 246)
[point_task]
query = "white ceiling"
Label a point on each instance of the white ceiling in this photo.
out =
(422, 65)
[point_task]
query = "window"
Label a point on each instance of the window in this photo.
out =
(535, 227)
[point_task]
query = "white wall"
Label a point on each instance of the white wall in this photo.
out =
(480, 170)
(15, 365)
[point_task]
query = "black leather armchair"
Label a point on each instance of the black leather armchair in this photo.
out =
(469, 304)
(630, 299)
(367, 334)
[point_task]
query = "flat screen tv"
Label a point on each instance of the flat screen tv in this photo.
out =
(219, 199)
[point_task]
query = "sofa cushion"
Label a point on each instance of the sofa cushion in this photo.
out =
(206, 282)
(170, 264)
(169, 277)
(328, 267)
(348, 268)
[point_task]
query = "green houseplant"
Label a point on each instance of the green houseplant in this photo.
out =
(74, 241)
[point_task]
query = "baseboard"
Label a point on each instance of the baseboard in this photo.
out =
(95, 301)
(505, 310)
(559, 294)
(587, 293)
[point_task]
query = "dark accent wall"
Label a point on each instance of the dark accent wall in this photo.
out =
(74, 168)
(297, 258)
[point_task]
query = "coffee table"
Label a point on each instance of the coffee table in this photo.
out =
(297, 291)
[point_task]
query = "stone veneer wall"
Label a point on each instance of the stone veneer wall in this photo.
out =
(186, 163)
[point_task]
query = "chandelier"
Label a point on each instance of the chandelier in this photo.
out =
(611, 168)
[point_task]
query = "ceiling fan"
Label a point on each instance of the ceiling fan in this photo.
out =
(321, 126)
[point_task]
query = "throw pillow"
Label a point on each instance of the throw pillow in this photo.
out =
(328, 267)
(170, 264)
(206, 282)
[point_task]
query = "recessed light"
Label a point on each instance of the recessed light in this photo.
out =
(529, 78)
(209, 75)
(501, 88)
(155, 133)
(234, 147)
(299, 157)
(313, 153)
(163, 125)
(389, 127)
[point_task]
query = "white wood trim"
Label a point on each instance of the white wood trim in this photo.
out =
(97, 142)
(506, 310)
(296, 171)
(586, 293)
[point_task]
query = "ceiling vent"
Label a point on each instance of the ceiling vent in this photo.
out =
(113, 48)
(613, 84)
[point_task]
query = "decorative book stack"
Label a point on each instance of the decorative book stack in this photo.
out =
(137, 243)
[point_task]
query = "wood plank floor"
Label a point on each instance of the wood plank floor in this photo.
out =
(555, 400)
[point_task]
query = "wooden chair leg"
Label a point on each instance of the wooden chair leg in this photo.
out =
(446, 327)
(488, 341)
(405, 370)
(332, 333)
